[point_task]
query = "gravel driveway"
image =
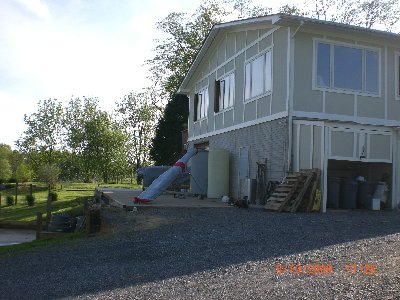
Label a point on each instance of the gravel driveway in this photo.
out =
(217, 254)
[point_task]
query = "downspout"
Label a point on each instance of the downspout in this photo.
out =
(290, 59)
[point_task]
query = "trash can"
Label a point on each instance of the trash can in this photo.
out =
(333, 192)
(364, 194)
(348, 193)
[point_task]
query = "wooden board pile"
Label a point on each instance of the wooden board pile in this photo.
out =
(296, 193)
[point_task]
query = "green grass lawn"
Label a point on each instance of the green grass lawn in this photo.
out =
(70, 198)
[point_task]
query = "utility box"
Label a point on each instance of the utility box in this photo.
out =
(199, 173)
(248, 188)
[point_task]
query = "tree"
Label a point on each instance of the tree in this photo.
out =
(77, 113)
(138, 114)
(44, 133)
(94, 140)
(175, 53)
(291, 10)
(23, 173)
(365, 13)
(49, 174)
(5, 151)
(103, 152)
(5, 170)
(16, 159)
(246, 9)
(166, 145)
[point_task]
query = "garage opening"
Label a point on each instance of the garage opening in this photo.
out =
(359, 185)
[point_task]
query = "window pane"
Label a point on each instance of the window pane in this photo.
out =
(221, 94)
(231, 88)
(247, 82)
(323, 65)
(226, 92)
(206, 102)
(348, 68)
(201, 101)
(268, 72)
(257, 84)
(371, 71)
(198, 107)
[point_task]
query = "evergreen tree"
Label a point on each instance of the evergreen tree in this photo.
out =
(167, 143)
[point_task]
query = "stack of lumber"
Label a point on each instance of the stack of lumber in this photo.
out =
(296, 192)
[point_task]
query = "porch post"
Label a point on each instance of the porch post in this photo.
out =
(324, 176)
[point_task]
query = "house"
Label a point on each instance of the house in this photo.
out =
(299, 93)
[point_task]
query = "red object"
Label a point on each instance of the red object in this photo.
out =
(181, 165)
(141, 201)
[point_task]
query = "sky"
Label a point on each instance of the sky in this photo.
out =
(74, 48)
(58, 49)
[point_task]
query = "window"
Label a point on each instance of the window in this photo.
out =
(224, 93)
(201, 104)
(347, 68)
(258, 76)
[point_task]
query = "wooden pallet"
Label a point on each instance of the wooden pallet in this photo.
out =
(296, 193)
(283, 193)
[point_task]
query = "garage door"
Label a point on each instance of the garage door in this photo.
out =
(360, 144)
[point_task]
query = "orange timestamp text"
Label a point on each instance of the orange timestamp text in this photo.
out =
(323, 269)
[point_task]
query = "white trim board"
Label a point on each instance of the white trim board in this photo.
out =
(346, 118)
(396, 76)
(273, 117)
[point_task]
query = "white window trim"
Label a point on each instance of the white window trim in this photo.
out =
(396, 77)
(225, 110)
(355, 131)
(333, 43)
(234, 92)
(202, 91)
(265, 93)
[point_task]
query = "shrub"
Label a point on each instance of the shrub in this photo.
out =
(54, 196)
(10, 200)
(30, 200)
(12, 180)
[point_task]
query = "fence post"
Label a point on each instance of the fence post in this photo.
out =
(0, 200)
(16, 193)
(39, 224)
(48, 208)
(87, 217)
(31, 189)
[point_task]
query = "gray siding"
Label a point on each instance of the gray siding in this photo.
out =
(266, 141)
(305, 98)
(308, 98)
(341, 104)
(280, 76)
(370, 107)
(223, 58)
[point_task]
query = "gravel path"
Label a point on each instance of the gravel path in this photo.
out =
(216, 254)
